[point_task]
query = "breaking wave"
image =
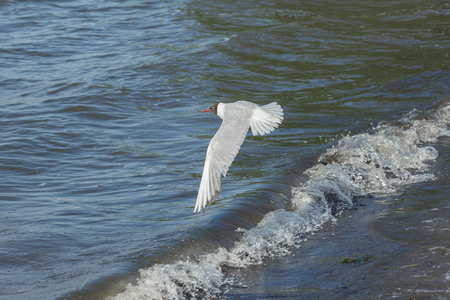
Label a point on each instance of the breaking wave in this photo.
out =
(389, 158)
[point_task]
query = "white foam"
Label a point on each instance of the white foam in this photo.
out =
(383, 162)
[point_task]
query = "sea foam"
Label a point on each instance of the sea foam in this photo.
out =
(390, 158)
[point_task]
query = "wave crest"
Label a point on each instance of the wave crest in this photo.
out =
(383, 162)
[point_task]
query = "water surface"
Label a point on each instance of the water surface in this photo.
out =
(102, 147)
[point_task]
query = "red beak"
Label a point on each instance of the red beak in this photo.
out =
(206, 110)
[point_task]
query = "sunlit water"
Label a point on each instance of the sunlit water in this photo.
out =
(102, 147)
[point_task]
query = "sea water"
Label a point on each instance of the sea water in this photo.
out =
(102, 147)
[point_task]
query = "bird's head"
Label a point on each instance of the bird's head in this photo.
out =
(212, 109)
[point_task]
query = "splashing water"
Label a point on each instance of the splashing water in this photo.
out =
(391, 158)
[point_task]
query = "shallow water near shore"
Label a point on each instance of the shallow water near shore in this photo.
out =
(386, 248)
(102, 147)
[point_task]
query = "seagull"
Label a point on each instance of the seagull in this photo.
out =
(236, 118)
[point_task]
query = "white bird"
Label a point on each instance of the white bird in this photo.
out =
(237, 118)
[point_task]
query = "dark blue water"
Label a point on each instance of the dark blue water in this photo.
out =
(102, 147)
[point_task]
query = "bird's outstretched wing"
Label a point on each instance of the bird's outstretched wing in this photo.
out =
(266, 118)
(221, 152)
